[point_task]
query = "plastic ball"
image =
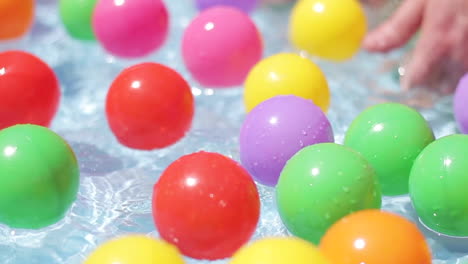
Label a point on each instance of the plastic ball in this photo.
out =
(321, 184)
(286, 74)
(149, 106)
(77, 17)
(276, 130)
(16, 18)
(460, 104)
(39, 177)
(213, 56)
(390, 136)
(438, 183)
(207, 205)
(279, 251)
(131, 29)
(22, 99)
(135, 249)
(375, 237)
(245, 5)
(330, 29)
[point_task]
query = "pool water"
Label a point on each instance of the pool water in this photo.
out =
(117, 182)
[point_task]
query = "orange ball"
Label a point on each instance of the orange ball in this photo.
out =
(16, 18)
(375, 237)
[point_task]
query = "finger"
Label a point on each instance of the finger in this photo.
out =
(460, 52)
(398, 29)
(433, 45)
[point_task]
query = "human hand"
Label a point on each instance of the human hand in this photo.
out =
(444, 35)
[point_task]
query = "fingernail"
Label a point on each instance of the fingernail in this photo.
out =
(405, 84)
(381, 43)
(369, 42)
(405, 80)
(374, 43)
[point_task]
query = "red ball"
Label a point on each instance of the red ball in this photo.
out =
(207, 205)
(29, 90)
(149, 106)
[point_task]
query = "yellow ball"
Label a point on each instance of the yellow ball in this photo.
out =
(279, 251)
(135, 249)
(330, 29)
(286, 74)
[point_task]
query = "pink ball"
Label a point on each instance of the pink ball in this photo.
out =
(130, 28)
(220, 47)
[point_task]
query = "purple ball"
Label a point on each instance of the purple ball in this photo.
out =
(277, 129)
(245, 5)
(461, 104)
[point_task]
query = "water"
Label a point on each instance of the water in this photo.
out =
(116, 182)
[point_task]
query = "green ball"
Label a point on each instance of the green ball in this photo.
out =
(390, 136)
(321, 184)
(77, 17)
(438, 183)
(39, 177)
